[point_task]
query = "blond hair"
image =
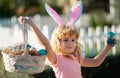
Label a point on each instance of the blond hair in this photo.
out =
(62, 32)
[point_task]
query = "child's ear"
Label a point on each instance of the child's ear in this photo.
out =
(54, 15)
(75, 13)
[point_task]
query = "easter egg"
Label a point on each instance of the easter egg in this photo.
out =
(42, 52)
(110, 41)
(110, 34)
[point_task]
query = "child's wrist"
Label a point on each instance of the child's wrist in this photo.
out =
(108, 47)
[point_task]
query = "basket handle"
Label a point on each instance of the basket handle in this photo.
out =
(25, 37)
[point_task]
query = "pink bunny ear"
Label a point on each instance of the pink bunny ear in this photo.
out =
(75, 13)
(54, 15)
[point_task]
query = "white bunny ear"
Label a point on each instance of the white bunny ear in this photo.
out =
(75, 13)
(54, 15)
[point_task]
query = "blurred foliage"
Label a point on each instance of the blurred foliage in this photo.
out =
(116, 4)
(96, 9)
(10, 8)
(99, 18)
(91, 5)
(6, 8)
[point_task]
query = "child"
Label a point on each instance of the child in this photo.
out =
(63, 54)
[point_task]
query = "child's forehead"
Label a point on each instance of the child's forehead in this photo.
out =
(69, 37)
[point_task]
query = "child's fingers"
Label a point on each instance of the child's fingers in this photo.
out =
(20, 19)
(114, 40)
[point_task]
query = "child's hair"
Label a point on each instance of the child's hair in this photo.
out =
(61, 32)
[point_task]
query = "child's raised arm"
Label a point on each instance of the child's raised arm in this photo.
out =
(43, 41)
(98, 60)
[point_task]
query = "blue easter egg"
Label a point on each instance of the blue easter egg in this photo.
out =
(29, 46)
(42, 52)
(110, 35)
(110, 41)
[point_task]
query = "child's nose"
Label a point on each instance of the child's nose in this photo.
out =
(69, 42)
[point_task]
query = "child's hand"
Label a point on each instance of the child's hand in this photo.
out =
(21, 19)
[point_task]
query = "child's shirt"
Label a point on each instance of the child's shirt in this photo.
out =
(67, 68)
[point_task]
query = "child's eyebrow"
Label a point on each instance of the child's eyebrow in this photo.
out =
(65, 38)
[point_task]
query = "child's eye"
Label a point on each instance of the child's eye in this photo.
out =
(73, 40)
(65, 40)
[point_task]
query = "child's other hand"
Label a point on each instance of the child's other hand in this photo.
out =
(22, 18)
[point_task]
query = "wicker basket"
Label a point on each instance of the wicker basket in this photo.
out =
(18, 60)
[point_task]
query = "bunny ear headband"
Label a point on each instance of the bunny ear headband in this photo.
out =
(73, 15)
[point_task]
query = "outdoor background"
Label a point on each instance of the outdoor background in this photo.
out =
(98, 18)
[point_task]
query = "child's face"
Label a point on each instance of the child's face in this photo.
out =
(68, 44)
